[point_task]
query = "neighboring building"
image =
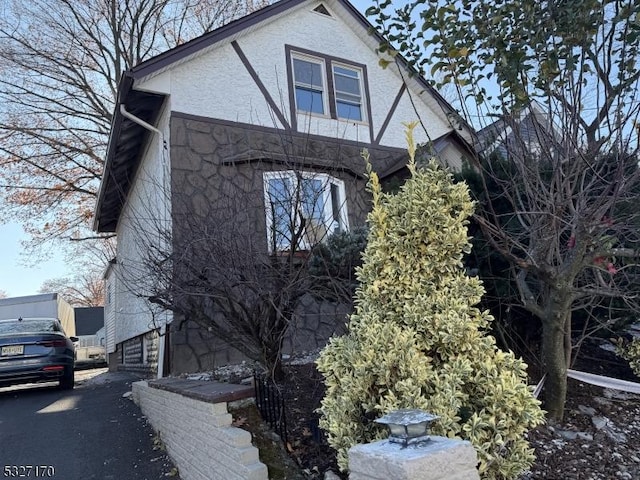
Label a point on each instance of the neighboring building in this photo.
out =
(45, 305)
(91, 335)
(289, 95)
(520, 134)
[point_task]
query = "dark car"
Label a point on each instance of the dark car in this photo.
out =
(35, 350)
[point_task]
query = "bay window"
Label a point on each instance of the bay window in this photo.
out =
(302, 208)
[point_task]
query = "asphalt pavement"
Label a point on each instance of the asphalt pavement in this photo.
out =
(91, 432)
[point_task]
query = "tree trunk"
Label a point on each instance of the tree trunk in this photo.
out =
(555, 353)
(273, 362)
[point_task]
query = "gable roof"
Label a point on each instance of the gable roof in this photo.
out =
(517, 130)
(127, 137)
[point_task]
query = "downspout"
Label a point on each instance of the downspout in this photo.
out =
(161, 147)
(139, 121)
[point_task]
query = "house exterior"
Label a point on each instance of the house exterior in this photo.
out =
(520, 134)
(212, 132)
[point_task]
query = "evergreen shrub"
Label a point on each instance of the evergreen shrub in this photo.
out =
(416, 338)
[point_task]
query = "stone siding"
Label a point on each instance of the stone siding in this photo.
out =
(138, 354)
(218, 194)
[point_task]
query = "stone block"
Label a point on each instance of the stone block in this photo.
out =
(438, 459)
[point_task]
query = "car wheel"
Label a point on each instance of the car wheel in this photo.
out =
(67, 380)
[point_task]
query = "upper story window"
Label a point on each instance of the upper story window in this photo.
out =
(309, 84)
(348, 92)
(327, 86)
(302, 208)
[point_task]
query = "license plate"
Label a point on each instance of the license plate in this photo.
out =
(12, 350)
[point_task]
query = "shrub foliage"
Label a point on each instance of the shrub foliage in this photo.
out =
(416, 338)
(630, 351)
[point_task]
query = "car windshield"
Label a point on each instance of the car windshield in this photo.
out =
(28, 326)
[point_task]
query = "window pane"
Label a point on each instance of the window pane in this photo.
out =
(280, 198)
(347, 85)
(302, 202)
(345, 97)
(309, 100)
(348, 93)
(345, 71)
(335, 208)
(348, 111)
(307, 73)
(312, 199)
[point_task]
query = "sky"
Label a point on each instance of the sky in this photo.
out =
(18, 275)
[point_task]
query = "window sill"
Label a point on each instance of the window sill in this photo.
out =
(328, 117)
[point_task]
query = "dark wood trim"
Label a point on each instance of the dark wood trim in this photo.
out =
(365, 81)
(331, 91)
(229, 30)
(303, 163)
(292, 90)
(292, 133)
(392, 110)
(329, 60)
(258, 82)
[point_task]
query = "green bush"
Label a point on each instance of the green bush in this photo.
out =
(416, 339)
(630, 351)
(332, 265)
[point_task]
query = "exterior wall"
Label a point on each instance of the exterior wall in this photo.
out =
(137, 354)
(193, 349)
(114, 359)
(144, 222)
(231, 119)
(217, 186)
(67, 316)
(220, 75)
(452, 157)
(199, 437)
(110, 280)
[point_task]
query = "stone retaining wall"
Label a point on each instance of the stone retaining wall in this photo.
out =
(198, 435)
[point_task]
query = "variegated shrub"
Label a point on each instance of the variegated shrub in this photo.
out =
(416, 338)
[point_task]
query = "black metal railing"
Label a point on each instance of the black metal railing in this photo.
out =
(271, 405)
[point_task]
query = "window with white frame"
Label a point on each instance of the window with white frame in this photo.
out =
(327, 86)
(309, 84)
(348, 92)
(302, 208)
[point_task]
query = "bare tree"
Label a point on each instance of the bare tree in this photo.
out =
(235, 258)
(83, 290)
(559, 207)
(60, 61)
(3, 294)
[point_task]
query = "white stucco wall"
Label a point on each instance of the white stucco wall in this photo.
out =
(216, 84)
(144, 222)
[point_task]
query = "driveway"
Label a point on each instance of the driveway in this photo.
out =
(91, 432)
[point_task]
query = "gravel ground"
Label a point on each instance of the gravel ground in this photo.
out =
(599, 438)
